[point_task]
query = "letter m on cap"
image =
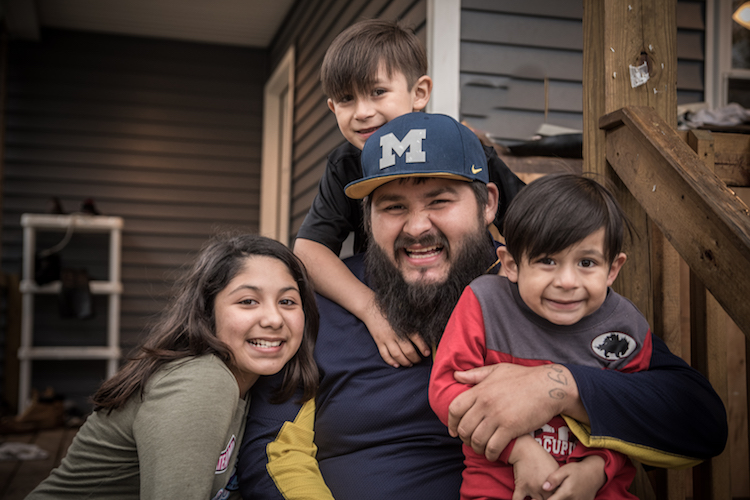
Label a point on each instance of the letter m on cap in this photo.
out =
(412, 141)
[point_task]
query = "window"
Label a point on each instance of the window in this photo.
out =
(738, 84)
(730, 77)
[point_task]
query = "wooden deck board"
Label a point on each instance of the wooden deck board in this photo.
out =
(9, 468)
(19, 477)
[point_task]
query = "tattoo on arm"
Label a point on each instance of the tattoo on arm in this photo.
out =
(557, 375)
(557, 394)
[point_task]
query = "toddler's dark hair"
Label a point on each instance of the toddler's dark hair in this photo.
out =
(559, 210)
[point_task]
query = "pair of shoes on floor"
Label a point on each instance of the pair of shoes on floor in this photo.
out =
(54, 206)
(45, 412)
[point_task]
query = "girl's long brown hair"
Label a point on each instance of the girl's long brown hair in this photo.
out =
(186, 327)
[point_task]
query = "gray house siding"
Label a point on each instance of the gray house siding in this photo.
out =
(508, 48)
(311, 28)
(165, 134)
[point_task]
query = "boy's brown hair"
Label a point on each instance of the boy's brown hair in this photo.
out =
(351, 62)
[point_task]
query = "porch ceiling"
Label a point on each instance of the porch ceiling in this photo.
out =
(248, 23)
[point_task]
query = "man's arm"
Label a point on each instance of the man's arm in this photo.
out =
(277, 457)
(653, 409)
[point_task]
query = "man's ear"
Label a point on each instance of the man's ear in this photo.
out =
(510, 266)
(493, 199)
(614, 269)
(331, 107)
(422, 91)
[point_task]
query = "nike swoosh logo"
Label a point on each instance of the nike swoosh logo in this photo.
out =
(475, 170)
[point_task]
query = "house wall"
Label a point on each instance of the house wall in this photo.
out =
(165, 134)
(311, 28)
(509, 47)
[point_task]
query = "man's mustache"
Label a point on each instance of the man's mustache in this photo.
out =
(431, 239)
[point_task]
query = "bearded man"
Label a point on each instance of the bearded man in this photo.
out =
(370, 432)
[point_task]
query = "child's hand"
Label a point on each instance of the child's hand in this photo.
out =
(394, 350)
(336, 282)
(532, 466)
(577, 480)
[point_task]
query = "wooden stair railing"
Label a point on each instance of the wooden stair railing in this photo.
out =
(703, 219)
(709, 226)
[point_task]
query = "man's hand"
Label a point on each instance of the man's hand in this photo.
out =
(509, 400)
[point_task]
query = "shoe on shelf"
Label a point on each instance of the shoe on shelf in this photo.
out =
(88, 207)
(54, 206)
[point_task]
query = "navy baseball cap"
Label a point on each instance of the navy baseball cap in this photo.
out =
(419, 145)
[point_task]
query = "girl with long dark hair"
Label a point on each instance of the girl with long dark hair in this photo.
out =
(169, 423)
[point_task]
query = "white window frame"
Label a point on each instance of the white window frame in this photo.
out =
(276, 155)
(718, 65)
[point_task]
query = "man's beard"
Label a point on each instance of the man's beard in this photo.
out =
(425, 308)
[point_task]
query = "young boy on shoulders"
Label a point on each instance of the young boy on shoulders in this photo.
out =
(564, 237)
(373, 72)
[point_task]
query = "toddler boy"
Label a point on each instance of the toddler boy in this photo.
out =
(564, 237)
(373, 72)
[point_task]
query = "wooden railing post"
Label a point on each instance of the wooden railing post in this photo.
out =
(712, 478)
(708, 339)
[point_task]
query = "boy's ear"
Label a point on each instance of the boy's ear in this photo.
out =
(510, 266)
(330, 106)
(614, 269)
(422, 91)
